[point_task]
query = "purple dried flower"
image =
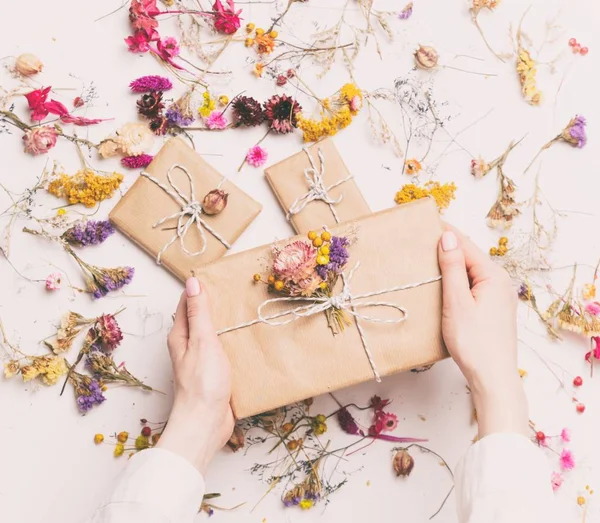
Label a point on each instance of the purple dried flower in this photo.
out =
(406, 13)
(88, 394)
(137, 162)
(177, 118)
(576, 131)
(150, 83)
(347, 421)
(88, 233)
(338, 257)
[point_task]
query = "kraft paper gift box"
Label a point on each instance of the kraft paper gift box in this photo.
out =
(290, 180)
(145, 204)
(275, 365)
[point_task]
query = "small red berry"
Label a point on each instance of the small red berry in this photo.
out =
(146, 432)
(580, 408)
(576, 48)
(540, 436)
(583, 51)
(578, 381)
(572, 42)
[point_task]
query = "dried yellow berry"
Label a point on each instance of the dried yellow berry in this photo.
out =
(271, 279)
(503, 240)
(98, 438)
(317, 242)
(119, 449)
(122, 437)
(326, 236)
(324, 250)
(256, 277)
(287, 427)
(522, 373)
(223, 99)
(312, 235)
(249, 42)
(292, 445)
(61, 212)
(323, 285)
(279, 285)
(502, 250)
(250, 27)
(580, 501)
(322, 260)
(493, 251)
(273, 34)
(260, 32)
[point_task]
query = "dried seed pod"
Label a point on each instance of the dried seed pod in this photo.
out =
(215, 201)
(28, 64)
(426, 57)
(403, 463)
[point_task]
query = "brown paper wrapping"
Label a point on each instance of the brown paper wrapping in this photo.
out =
(145, 204)
(277, 365)
(288, 183)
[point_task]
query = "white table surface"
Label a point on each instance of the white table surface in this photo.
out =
(50, 469)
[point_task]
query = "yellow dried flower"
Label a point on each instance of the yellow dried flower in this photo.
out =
(264, 43)
(305, 504)
(61, 212)
(85, 187)
(11, 368)
(527, 71)
(250, 27)
(589, 291)
(119, 450)
(580, 501)
(223, 99)
(522, 373)
(53, 369)
(442, 194)
(29, 372)
(412, 167)
(208, 105)
(98, 438)
(122, 437)
(142, 442)
(258, 69)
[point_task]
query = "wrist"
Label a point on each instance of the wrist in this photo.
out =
(501, 406)
(188, 435)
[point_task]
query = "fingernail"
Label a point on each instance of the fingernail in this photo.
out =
(449, 241)
(192, 287)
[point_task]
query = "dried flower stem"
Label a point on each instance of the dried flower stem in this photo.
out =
(13, 119)
(548, 145)
(476, 22)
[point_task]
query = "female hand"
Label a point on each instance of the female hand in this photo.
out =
(479, 325)
(201, 421)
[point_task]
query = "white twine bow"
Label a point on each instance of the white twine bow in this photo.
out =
(190, 214)
(316, 188)
(344, 301)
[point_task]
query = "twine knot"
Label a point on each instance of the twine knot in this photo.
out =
(316, 188)
(190, 214)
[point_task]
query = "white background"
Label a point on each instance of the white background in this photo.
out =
(49, 468)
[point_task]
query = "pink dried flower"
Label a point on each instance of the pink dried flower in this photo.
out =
(281, 80)
(168, 48)
(593, 308)
(565, 435)
(567, 462)
(149, 83)
(40, 140)
(142, 15)
(556, 479)
(139, 42)
(137, 162)
(294, 262)
(109, 331)
(53, 281)
(355, 104)
(257, 156)
(227, 20)
(216, 120)
(388, 422)
(595, 351)
(78, 102)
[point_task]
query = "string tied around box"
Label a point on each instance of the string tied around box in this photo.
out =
(190, 214)
(305, 307)
(316, 188)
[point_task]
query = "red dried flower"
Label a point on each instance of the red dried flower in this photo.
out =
(141, 15)
(377, 404)
(159, 125)
(281, 80)
(281, 113)
(347, 421)
(150, 105)
(109, 331)
(227, 20)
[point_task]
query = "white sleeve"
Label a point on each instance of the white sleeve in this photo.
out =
(157, 486)
(504, 478)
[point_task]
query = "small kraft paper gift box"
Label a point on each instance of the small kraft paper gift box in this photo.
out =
(182, 211)
(384, 301)
(315, 188)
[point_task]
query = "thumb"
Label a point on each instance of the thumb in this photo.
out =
(455, 281)
(201, 329)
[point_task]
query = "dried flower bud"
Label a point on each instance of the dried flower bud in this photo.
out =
(28, 64)
(236, 442)
(403, 463)
(215, 201)
(426, 57)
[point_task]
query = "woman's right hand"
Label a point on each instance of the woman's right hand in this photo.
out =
(479, 326)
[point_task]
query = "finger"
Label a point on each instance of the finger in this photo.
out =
(455, 281)
(179, 332)
(202, 331)
(479, 266)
